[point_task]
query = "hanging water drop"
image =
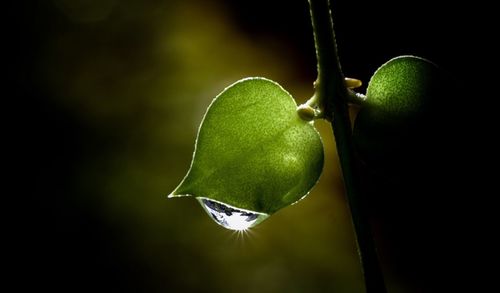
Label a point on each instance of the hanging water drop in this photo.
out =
(230, 217)
(253, 155)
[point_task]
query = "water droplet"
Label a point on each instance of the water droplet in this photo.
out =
(230, 217)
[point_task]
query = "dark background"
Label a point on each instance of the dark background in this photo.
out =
(107, 96)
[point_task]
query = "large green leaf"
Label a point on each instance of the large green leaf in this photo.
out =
(253, 152)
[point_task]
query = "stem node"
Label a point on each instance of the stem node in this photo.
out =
(332, 93)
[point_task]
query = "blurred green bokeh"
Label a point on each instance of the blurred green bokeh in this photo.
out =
(138, 78)
(117, 89)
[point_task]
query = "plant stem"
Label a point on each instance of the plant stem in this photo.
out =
(332, 95)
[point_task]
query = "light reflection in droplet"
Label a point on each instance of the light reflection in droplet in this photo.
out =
(230, 217)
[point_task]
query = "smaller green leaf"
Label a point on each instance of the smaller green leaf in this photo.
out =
(403, 88)
(394, 128)
(253, 153)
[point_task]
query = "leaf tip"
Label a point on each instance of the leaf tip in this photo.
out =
(179, 191)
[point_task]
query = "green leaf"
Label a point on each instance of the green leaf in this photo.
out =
(403, 88)
(253, 152)
(394, 128)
